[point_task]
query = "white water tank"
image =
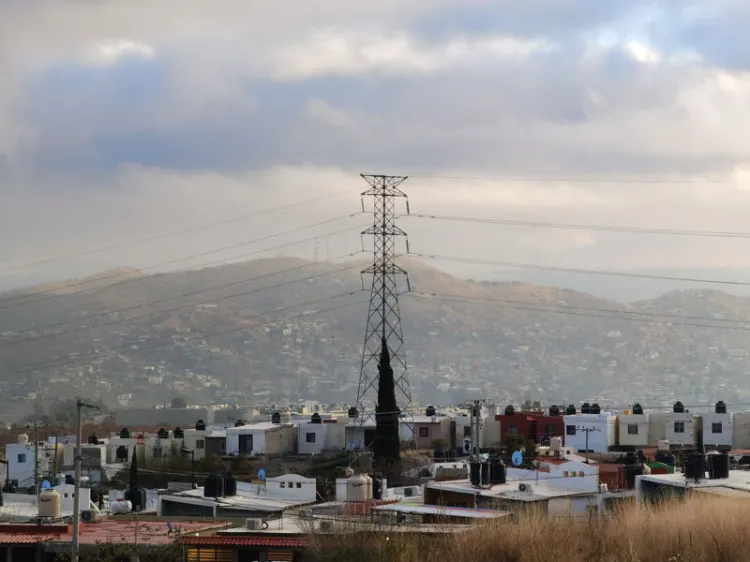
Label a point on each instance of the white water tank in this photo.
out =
(49, 504)
(555, 444)
(23, 439)
(663, 445)
(120, 506)
(368, 485)
(356, 489)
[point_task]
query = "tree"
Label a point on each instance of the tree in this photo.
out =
(386, 449)
(178, 403)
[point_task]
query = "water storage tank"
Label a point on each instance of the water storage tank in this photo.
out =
(200, 425)
(353, 413)
(695, 466)
(718, 466)
(230, 486)
(497, 471)
(137, 497)
(315, 418)
(721, 408)
(276, 418)
(678, 408)
(430, 411)
(124, 433)
(356, 489)
(239, 423)
(595, 408)
(662, 445)
(178, 433)
(213, 486)
(637, 410)
(23, 439)
(570, 410)
(554, 411)
(49, 504)
(665, 458)
(368, 481)
(479, 472)
(121, 455)
(92, 440)
(630, 471)
(555, 444)
(510, 410)
(586, 408)
(162, 433)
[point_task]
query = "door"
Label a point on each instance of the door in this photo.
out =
(246, 444)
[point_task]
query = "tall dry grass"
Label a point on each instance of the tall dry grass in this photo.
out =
(696, 530)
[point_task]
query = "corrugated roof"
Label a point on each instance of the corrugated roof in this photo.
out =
(25, 538)
(250, 540)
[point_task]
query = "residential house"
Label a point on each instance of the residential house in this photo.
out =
(634, 428)
(317, 435)
(590, 430)
(717, 428)
(263, 438)
(536, 426)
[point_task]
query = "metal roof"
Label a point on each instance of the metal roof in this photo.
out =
(437, 510)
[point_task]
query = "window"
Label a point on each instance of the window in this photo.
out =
(467, 431)
(550, 430)
(632, 429)
(570, 430)
(222, 446)
(299, 484)
(424, 432)
(679, 427)
(716, 428)
(200, 444)
(282, 484)
(309, 438)
(512, 430)
(21, 458)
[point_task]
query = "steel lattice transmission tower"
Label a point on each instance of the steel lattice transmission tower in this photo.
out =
(384, 316)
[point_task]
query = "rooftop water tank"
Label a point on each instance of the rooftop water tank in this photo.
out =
(315, 418)
(678, 408)
(637, 410)
(213, 487)
(479, 473)
(200, 425)
(570, 410)
(178, 433)
(510, 410)
(721, 408)
(430, 411)
(162, 433)
(276, 418)
(92, 440)
(230, 485)
(497, 471)
(555, 444)
(356, 488)
(586, 408)
(137, 497)
(239, 423)
(124, 433)
(23, 439)
(49, 504)
(554, 411)
(662, 445)
(595, 408)
(695, 466)
(353, 412)
(718, 466)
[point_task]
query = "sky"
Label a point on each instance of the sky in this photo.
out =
(142, 134)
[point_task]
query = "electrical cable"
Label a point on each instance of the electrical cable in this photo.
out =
(171, 341)
(593, 227)
(552, 179)
(183, 295)
(170, 262)
(173, 233)
(577, 270)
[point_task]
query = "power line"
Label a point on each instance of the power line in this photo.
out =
(553, 179)
(593, 227)
(173, 233)
(184, 295)
(576, 270)
(169, 340)
(170, 262)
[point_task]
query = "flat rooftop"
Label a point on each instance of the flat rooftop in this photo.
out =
(739, 480)
(440, 511)
(540, 490)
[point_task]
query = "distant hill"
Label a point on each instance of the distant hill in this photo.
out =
(256, 332)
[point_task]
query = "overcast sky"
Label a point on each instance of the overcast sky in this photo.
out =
(125, 119)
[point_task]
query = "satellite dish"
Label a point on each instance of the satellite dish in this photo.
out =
(517, 458)
(46, 485)
(261, 474)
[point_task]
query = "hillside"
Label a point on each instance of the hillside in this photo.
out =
(261, 330)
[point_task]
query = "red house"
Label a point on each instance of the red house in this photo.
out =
(535, 426)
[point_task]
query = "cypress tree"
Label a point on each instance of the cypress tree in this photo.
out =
(387, 446)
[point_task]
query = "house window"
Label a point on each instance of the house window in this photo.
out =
(716, 427)
(299, 484)
(679, 427)
(570, 430)
(282, 484)
(632, 429)
(200, 444)
(467, 431)
(223, 446)
(550, 430)
(512, 430)
(309, 438)
(21, 458)
(424, 432)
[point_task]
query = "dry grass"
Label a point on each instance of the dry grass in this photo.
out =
(698, 530)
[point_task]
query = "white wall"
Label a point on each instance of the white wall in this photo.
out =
(20, 463)
(724, 423)
(680, 438)
(641, 422)
(600, 440)
(292, 487)
(741, 433)
(233, 439)
(193, 438)
(327, 436)
(556, 478)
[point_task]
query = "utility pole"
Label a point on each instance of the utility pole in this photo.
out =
(586, 430)
(36, 425)
(76, 494)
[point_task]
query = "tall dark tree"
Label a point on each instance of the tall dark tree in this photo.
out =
(387, 446)
(134, 471)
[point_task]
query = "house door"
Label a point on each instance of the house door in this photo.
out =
(533, 432)
(246, 444)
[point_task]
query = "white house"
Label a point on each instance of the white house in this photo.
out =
(679, 427)
(292, 487)
(634, 428)
(595, 431)
(21, 459)
(315, 438)
(263, 438)
(717, 427)
(152, 446)
(741, 433)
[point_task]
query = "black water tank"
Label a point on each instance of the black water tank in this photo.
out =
(239, 423)
(510, 410)
(637, 409)
(630, 458)
(230, 486)
(718, 466)
(695, 466)
(124, 433)
(93, 440)
(122, 453)
(213, 486)
(353, 412)
(137, 497)
(178, 433)
(315, 418)
(430, 411)
(377, 486)
(162, 433)
(595, 408)
(665, 458)
(497, 471)
(479, 470)
(570, 410)
(439, 455)
(554, 411)
(586, 408)
(276, 418)
(678, 408)
(721, 408)
(630, 471)
(200, 425)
